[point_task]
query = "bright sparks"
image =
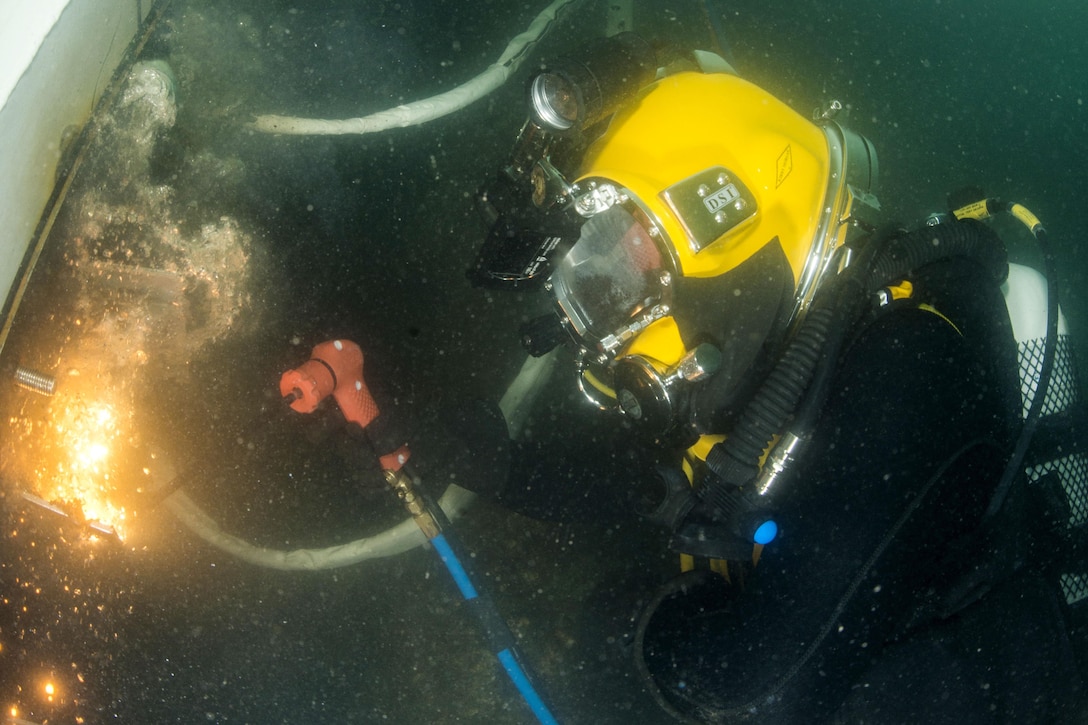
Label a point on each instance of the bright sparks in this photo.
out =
(72, 456)
(89, 437)
(89, 431)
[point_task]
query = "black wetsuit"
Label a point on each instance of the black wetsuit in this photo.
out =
(857, 612)
(866, 608)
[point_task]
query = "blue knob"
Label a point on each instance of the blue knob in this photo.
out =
(765, 532)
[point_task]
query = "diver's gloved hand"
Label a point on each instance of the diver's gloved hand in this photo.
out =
(391, 430)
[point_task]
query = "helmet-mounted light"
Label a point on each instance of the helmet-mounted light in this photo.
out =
(577, 91)
(553, 101)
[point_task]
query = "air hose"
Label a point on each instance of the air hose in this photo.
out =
(426, 109)
(731, 495)
(735, 461)
(336, 368)
(902, 254)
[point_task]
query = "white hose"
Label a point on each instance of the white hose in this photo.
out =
(400, 538)
(428, 109)
(515, 406)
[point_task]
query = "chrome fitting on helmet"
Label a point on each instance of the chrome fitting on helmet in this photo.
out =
(648, 396)
(611, 344)
(597, 198)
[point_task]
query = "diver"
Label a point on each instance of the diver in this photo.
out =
(836, 414)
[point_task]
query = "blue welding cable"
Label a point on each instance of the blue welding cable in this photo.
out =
(453, 563)
(498, 633)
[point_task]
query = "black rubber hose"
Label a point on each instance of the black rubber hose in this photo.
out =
(903, 254)
(852, 299)
(735, 460)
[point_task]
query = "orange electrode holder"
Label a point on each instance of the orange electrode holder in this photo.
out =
(336, 368)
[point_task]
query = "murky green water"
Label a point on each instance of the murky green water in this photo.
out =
(196, 260)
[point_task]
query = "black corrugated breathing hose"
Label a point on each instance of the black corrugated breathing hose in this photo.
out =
(800, 382)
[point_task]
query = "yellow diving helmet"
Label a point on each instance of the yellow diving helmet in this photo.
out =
(689, 190)
(692, 178)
